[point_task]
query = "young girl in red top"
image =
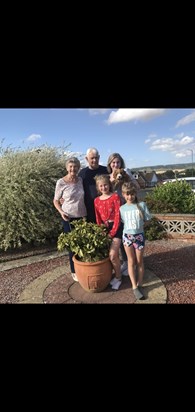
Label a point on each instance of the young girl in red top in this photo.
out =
(107, 211)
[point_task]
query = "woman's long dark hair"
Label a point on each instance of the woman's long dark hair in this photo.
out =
(111, 158)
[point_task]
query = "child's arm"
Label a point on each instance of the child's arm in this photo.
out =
(97, 214)
(117, 218)
(147, 215)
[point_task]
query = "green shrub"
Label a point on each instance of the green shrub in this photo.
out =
(155, 230)
(88, 241)
(27, 187)
(172, 197)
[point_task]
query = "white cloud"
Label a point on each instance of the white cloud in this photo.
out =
(180, 135)
(128, 115)
(180, 155)
(186, 140)
(94, 112)
(186, 119)
(152, 135)
(162, 144)
(178, 147)
(147, 141)
(33, 137)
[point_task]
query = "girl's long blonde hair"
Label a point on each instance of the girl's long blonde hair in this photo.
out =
(104, 178)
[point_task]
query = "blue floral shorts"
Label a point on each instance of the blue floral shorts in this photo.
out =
(138, 241)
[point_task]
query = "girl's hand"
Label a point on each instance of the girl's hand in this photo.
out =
(147, 223)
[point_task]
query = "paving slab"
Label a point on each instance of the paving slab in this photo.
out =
(57, 286)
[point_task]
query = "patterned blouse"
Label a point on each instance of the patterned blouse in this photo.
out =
(73, 195)
(108, 210)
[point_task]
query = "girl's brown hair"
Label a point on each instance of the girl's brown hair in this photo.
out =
(129, 189)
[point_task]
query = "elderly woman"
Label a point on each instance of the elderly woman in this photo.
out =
(70, 188)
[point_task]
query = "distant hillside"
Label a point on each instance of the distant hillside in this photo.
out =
(177, 166)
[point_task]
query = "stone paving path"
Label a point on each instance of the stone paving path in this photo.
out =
(57, 286)
(16, 263)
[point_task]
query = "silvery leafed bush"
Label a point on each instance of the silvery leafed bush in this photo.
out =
(27, 185)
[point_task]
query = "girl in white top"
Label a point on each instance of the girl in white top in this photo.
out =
(70, 188)
(134, 215)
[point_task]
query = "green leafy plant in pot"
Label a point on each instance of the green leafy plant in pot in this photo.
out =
(90, 244)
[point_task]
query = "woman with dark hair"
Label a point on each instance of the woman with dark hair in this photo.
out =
(115, 161)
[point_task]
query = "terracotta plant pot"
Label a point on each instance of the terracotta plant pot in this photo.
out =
(93, 276)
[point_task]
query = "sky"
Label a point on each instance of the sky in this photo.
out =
(143, 137)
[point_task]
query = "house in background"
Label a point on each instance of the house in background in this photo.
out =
(146, 179)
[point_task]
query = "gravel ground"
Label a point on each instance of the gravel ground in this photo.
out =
(13, 281)
(172, 261)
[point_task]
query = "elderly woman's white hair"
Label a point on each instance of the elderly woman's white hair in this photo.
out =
(73, 160)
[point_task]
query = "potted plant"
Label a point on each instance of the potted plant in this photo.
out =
(90, 244)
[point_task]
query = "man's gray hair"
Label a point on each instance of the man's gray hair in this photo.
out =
(92, 149)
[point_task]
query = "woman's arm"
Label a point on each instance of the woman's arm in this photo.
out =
(59, 209)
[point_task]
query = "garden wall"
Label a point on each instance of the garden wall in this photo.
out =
(178, 226)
